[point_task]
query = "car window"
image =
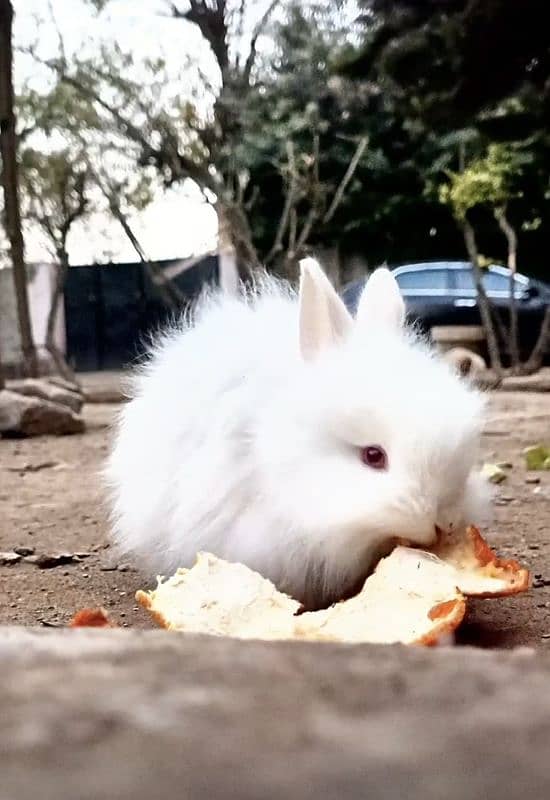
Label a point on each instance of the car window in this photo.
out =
(492, 282)
(424, 280)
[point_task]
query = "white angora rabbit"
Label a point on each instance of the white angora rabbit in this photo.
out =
(275, 430)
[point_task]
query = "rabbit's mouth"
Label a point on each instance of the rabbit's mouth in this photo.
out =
(402, 541)
(313, 602)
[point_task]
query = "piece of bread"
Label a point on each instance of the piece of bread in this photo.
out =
(480, 572)
(413, 596)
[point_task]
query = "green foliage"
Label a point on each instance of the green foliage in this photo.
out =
(487, 181)
(68, 161)
(450, 61)
(55, 189)
(479, 115)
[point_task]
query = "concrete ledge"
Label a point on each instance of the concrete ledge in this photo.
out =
(540, 382)
(103, 387)
(99, 715)
(457, 333)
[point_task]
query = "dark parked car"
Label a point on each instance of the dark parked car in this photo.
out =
(443, 293)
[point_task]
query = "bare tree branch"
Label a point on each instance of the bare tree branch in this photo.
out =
(181, 164)
(352, 166)
(292, 229)
(484, 308)
(534, 362)
(290, 200)
(512, 240)
(258, 30)
(60, 41)
(172, 295)
(312, 216)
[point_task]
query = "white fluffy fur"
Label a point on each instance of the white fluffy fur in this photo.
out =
(236, 442)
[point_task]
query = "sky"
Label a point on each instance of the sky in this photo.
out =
(178, 223)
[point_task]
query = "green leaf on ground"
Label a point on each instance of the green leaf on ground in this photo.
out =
(537, 457)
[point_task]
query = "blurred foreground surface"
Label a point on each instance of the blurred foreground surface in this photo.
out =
(138, 715)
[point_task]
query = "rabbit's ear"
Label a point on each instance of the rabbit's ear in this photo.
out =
(324, 319)
(381, 304)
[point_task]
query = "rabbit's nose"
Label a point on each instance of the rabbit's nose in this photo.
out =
(422, 531)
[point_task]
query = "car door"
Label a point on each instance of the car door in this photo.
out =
(496, 285)
(425, 290)
(464, 296)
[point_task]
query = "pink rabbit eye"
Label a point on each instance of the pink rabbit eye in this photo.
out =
(374, 457)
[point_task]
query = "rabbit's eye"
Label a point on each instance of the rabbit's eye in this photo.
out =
(375, 457)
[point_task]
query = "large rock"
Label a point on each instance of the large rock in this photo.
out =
(64, 383)
(97, 715)
(54, 393)
(21, 415)
(466, 362)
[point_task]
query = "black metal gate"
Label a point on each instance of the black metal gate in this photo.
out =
(110, 309)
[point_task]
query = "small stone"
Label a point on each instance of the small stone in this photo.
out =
(545, 636)
(123, 567)
(22, 415)
(504, 465)
(24, 551)
(533, 546)
(504, 500)
(122, 594)
(45, 390)
(532, 479)
(49, 560)
(10, 557)
(493, 473)
(108, 568)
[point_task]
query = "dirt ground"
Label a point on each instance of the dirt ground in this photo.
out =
(51, 501)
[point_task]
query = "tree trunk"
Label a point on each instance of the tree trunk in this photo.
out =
(227, 268)
(8, 146)
(512, 240)
(534, 362)
(234, 230)
(484, 308)
(58, 358)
